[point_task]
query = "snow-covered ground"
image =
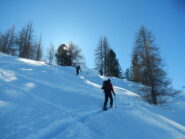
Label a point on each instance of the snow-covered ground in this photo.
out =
(38, 101)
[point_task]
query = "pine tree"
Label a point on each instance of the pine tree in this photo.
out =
(25, 42)
(61, 56)
(51, 54)
(7, 41)
(69, 55)
(106, 50)
(147, 67)
(101, 53)
(127, 74)
(38, 51)
(75, 55)
(99, 57)
(113, 66)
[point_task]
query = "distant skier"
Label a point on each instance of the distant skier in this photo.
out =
(108, 90)
(78, 69)
(101, 71)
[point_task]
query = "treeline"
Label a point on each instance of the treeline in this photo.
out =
(22, 43)
(26, 44)
(146, 67)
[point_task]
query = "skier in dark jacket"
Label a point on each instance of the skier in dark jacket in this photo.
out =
(78, 69)
(108, 90)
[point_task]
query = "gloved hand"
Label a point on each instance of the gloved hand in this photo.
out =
(114, 94)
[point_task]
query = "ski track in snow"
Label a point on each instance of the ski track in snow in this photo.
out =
(57, 127)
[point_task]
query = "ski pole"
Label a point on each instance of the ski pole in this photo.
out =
(115, 101)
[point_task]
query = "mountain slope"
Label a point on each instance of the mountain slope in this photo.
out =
(38, 101)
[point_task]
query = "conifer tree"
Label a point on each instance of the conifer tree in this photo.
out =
(101, 53)
(25, 42)
(113, 66)
(99, 56)
(69, 55)
(7, 41)
(61, 56)
(147, 67)
(127, 74)
(38, 51)
(51, 54)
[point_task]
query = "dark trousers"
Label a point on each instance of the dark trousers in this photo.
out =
(77, 72)
(108, 95)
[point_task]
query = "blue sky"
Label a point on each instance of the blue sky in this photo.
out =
(84, 21)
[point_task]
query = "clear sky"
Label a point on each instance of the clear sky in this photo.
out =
(84, 21)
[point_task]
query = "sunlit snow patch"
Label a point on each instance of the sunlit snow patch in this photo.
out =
(91, 83)
(30, 85)
(127, 92)
(27, 69)
(7, 75)
(38, 63)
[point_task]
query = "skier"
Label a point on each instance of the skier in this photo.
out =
(101, 71)
(108, 90)
(78, 69)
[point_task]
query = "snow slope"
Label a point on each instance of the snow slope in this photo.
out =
(38, 101)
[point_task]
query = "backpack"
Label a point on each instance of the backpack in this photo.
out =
(106, 86)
